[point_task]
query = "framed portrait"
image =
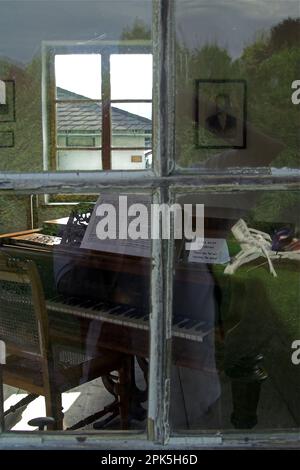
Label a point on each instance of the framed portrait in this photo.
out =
(220, 114)
(7, 139)
(7, 109)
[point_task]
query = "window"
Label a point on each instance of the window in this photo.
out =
(136, 158)
(102, 107)
(80, 140)
(215, 361)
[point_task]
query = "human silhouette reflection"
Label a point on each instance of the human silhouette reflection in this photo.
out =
(222, 123)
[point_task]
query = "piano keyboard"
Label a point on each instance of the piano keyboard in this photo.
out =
(36, 239)
(125, 315)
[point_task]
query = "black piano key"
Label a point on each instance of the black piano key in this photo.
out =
(191, 323)
(124, 310)
(62, 299)
(200, 326)
(133, 311)
(58, 299)
(72, 301)
(120, 310)
(87, 304)
(98, 306)
(113, 309)
(182, 323)
(135, 314)
(129, 312)
(178, 319)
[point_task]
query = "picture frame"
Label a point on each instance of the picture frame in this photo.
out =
(220, 114)
(7, 139)
(8, 110)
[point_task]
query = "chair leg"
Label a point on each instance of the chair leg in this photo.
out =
(2, 423)
(124, 388)
(54, 409)
(21, 403)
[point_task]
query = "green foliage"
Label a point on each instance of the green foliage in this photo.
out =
(285, 34)
(139, 30)
(269, 104)
(269, 65)
(210, 62)
(276, 207)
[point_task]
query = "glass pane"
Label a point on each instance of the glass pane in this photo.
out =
(236, 324)
(79, 160)
(131, 159)
(59, 60)
(131, 76)
(78, 125)
(131, 124)
(96, 294)
(234, 94)
(78, 76)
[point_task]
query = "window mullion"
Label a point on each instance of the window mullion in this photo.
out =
(162, 250)
(106, 112)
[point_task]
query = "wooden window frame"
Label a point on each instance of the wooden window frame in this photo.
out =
(164, 182)
(105, 49)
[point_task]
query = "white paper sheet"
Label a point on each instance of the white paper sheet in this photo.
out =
(214, 251)
(139, 247)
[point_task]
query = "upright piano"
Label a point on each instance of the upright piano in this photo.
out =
(113, 290)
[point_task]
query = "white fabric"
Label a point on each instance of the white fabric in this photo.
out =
(2, 352)
(254, 244)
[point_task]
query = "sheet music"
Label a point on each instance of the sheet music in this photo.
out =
(240, 230)
(214, 251)
(139, 247)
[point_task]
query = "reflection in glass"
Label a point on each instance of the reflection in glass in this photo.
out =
(237, 303)
(131, 159)
(131, 76)
(78, 124)
(71, 159)
(258, 45)
(78, 76)
(91, 298)
(142, 109)
(63, 49)
(132, 125)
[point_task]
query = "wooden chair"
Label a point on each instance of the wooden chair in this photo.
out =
(32, 363)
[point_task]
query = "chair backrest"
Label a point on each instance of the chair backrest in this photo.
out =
(23, 315)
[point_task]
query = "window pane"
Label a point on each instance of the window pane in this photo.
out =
(78, 76)
(234, 90)
(82, 140)
(131, 76)
(79, 118)
(79, 160)
(131, 159)
(60, 60)
(95, 324)
(131, 125)
(79, 124)
(236, 324)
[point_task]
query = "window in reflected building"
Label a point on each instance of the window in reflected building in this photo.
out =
(101, 114)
